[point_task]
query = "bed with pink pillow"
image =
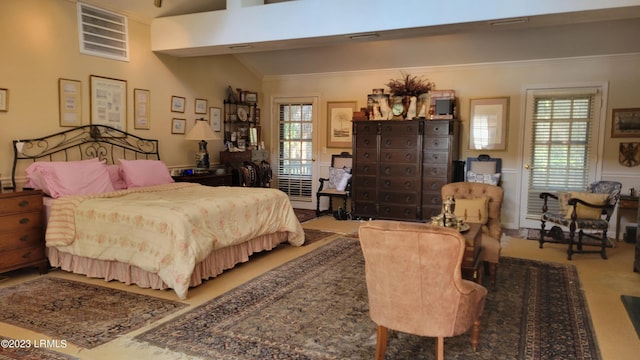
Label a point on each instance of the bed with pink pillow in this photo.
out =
(114, 212)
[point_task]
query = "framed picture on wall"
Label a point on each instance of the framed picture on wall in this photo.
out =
(177, 104)
(141, 104)
(625, 123)
(214, 116)
(339, 131)
(70, 102)
(108, 102)
(178, 126)
(4, 100)
(201, 106)
(488, 123)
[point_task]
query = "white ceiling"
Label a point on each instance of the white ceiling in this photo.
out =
(586, 33)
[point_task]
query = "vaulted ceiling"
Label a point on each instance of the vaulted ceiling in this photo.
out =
(568, 34)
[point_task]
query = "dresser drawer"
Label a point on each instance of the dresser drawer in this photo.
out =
(429, 211)
(435, 171)
(28, 220)
(365, 209)
(398, 156)
(365, 129)
(364, 182)
(433, 184)
(435, 157)
(400, 128)
(20, 257)
(21, 239)
(399, 142)
(435, 144)
(438, 129)
(403, 198)
(406, 170)
(399, 184)
(366, 155)
(366, 142)
(365, 169)
(15, 204)
(398, 212)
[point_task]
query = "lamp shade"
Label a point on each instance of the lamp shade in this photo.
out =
(201, 131)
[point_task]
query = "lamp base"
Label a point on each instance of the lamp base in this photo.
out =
(202, 158)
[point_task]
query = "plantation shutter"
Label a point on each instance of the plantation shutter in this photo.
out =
(295, 170)
(560, 146)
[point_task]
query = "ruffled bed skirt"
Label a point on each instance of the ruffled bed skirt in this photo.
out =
(218, 261)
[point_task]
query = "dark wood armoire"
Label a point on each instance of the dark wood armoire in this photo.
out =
(400, 166)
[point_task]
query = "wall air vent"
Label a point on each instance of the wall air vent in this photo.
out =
(103, 33)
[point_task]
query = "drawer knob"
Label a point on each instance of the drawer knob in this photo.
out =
(24, 238)
(26, 255)
(388, 156)
(24, 221)
(23, 203)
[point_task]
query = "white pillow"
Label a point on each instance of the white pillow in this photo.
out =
(491, 179)
(335, 175)
(342, 185)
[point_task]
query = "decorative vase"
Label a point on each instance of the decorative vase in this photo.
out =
(406, 102)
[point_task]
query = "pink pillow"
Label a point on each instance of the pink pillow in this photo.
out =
(34, 171)
(116, 178)
(72, 178)
(139, 173)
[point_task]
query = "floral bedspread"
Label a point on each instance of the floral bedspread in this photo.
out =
(167, 229)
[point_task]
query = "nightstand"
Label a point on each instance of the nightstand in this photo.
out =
(22, 231)
(208, 179)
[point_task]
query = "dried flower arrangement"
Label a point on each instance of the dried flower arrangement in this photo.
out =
(409, 86)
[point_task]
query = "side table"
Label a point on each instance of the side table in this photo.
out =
(471, 263)
(626, 202)
(208, 179)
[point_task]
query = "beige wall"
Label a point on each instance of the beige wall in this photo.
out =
(39, 45)
(621, 73)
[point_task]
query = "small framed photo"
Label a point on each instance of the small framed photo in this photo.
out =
(251, 97)
(141, 108)
(70, 102)
(4, 100)
(178, 126)
(177, 104)
(214, 116)
(201, 106)
(625, 123)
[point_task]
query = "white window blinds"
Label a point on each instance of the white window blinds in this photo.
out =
(560, 146)
(296, 152)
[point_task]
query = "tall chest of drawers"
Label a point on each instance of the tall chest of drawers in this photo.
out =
(22, 231)
(400, 166)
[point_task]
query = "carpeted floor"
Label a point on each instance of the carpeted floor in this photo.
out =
(315, 307)
(304, 214)
(27, 351)
(83, 314)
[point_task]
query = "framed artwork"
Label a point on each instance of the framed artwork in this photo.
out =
(625, 123)
(177, 104)
(141, 109)
(70, 102)
(214, 116)
(251, 97)
(201, 106)
(178, 126)
(4, 100)
(488, 123)
(339, 130)
(108, 102)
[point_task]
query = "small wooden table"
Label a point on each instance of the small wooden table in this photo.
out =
(626, 202)
(471, 263)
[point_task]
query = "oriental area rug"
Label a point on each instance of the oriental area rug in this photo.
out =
(83, 314)
(315, 307)
(304, 214)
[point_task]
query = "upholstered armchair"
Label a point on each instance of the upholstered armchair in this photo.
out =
(588, 212)
(488, 214)
(415, 285)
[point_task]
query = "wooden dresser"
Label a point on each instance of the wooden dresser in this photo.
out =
(400, 166)
(22, 231)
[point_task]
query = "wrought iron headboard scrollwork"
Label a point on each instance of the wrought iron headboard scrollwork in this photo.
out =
(81, 143)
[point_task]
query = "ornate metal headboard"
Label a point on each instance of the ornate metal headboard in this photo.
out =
(84, 142)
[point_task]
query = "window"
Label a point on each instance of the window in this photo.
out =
(295, 170)
(561, 145)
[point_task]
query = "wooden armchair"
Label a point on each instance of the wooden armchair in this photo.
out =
(415, 285)
(590, 211)
(338, 185)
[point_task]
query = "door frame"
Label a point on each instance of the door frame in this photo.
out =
(314, 99)
(598, 136)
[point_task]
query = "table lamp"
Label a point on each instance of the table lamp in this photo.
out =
(201, 131)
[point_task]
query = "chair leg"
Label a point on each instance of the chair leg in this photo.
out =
(381, 342)
(493, 272)
(603, 245)
(440, 348)
(475, 335)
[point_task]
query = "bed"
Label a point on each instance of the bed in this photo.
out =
(140, 227)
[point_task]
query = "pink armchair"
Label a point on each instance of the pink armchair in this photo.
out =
(414, 282)
(492, 231)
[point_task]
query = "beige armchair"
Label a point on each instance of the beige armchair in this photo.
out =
(492, 231)
(414, 282)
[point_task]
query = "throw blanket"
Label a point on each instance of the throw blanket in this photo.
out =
(167, 229)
